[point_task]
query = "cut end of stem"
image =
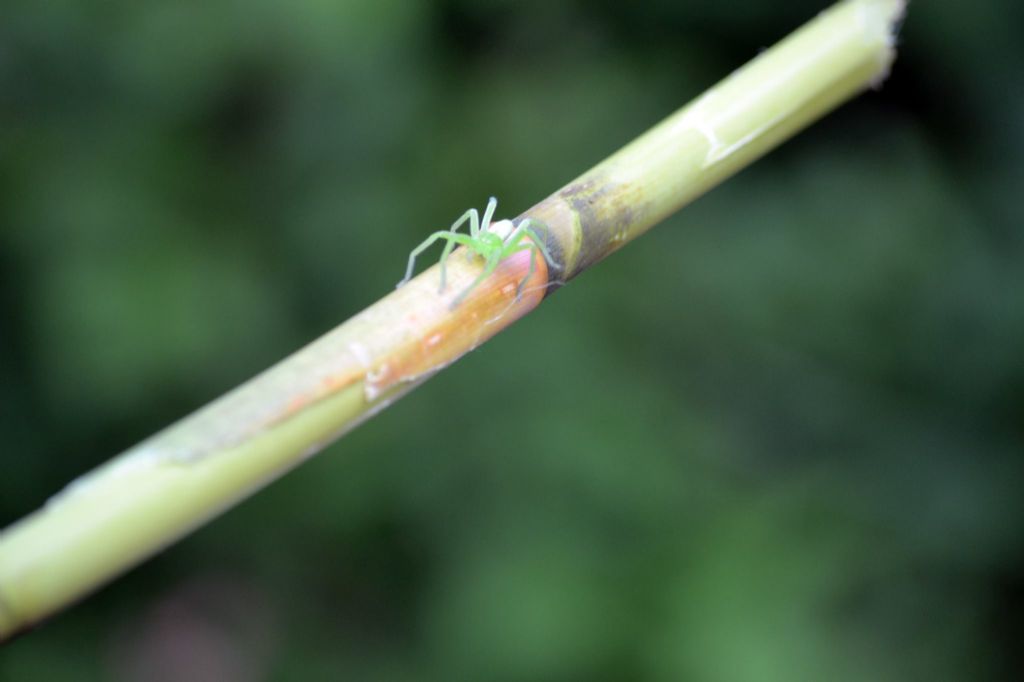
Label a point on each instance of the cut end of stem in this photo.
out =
(882, 20)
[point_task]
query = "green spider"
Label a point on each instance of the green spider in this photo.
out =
(492, 242)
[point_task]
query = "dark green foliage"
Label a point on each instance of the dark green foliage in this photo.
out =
(778, 438)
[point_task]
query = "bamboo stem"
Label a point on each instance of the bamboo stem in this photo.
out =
(842, 52)
(151, 495)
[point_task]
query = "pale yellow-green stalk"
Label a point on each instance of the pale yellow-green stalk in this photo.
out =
(151, 495)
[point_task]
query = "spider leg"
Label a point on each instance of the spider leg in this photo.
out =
(426, 244)
(478, 228)
(534, 244)
(512, 245)
(474, 228)
(492, 204)
(474, 221)
(539, 243)
(492, 264)
(453, 239)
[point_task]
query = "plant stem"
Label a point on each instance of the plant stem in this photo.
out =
(831, 58)
(151, 495)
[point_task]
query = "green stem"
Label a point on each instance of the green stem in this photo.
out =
(146, 498)
(837, 55)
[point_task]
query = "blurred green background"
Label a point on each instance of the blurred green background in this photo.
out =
(781, 437)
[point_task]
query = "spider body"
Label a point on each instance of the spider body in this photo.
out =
(492, 242)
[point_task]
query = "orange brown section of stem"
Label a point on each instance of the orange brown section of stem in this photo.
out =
(433, 334)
